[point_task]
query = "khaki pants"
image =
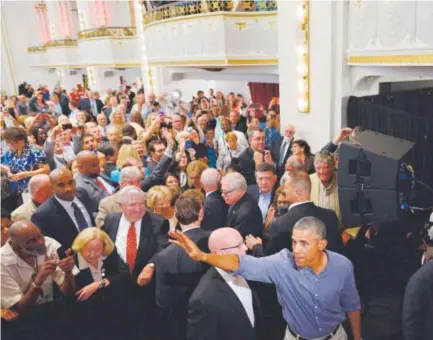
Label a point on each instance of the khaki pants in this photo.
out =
(340, 335)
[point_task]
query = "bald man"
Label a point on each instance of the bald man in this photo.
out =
(40, 190)
(28, 252)
(223, 305)
(215, 209)
(65, 214)
(89, 181)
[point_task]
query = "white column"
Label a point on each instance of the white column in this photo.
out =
(326, 69)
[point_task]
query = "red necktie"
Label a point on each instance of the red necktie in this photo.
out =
(100, 184)
(131, 247)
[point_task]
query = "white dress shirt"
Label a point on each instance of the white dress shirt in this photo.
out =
(299, 203)
(122, 236)
(67, 205)
(240, 287)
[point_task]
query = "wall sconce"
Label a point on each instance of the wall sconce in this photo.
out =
(303, 56)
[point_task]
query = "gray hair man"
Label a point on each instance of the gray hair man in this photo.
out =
(215, 209)
(293, 164)
(41, 190)
(135, 231)
(244, 213)
(130, 175)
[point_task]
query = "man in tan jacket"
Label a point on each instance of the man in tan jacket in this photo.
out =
(130, 175)
(324, 184)
(40, 190)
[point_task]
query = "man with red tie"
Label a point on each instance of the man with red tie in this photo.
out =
(138, 235)
(89, 181)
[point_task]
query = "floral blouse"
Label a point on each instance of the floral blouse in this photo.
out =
(29, 160)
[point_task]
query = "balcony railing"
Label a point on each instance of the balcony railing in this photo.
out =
(61, 43)
(108, 32)
(36, 49)
(187, 8)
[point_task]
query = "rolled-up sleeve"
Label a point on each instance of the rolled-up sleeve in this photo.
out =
(264, 269)
(349, 299)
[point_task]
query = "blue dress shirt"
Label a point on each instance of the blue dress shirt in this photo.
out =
(313, 305)
(264, 202)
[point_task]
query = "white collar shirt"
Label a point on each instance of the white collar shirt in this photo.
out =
(67, 205)
(122, 235)
(242, 290)
(97, 273)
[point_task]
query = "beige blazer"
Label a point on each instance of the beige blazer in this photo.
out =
(107, 205)
(331, 195)
(24, 211)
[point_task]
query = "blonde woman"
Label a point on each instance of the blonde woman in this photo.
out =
(193, 171)
(117, 119)
(128, 156)
(99, 265)
(234, 149)
(158, 200)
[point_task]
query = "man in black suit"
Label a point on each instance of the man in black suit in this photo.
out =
(263, 191)
(244, 214)
(61, 104)
(254, 155)
(223, 306)
(91, 105)
(239, 123)
(298, 188)
(177, 274)
(215, 209)
(65, 214)
(282, 146)
(138, 235)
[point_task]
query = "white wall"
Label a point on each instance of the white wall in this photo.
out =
(20, 35)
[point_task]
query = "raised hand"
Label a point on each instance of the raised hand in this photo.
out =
(84, 293)
(187, 244)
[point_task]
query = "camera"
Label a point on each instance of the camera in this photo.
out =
(164, 125)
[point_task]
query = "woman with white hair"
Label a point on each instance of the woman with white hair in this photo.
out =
(99, 265)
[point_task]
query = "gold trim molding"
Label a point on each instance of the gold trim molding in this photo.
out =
(391, 59)
(110, 32)
(107, 65)
(192, 8)
(36, 49)
(215, 62)
(61, 43)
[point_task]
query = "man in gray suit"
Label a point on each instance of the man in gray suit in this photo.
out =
(88, 180)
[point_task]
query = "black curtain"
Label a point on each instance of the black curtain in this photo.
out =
(407, 115)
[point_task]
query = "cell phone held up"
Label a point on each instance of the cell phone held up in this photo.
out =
(188, 145)
(67, 126)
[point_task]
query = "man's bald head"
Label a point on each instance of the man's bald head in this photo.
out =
(26, 239)
(226, 241)
(40, 188)
(88, 164)
(63, 184)
(210, 179)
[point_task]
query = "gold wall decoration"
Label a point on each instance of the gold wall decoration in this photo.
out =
(189, 8)
(303, 56)
(425, 59)
(36, 49)
(102, 32)
(131, 12)
(240, 25)
(61, 43)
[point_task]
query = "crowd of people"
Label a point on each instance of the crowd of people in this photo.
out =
(130, 216)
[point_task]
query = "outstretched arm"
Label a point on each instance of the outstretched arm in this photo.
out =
(228, 263)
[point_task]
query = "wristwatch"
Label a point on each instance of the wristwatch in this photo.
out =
(102, 283)
(151, 265)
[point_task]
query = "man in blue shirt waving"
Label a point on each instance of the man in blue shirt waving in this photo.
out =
(315, 287)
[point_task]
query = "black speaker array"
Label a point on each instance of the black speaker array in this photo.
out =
(369, 177)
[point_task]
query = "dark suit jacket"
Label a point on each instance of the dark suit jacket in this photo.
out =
(216, 313)
(331, 147)
(280, 233)
(87, 186)
(215, 211)
(152, 239)
(64, 103)
(116, 271)
(241, 125)
(53, 220)
(245, 161)
(156, 177)
(276, 148)
(246, 217)
(176, 277)
(86, 106)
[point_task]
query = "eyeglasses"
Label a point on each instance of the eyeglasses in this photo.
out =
(225, 193)
(234, 247)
